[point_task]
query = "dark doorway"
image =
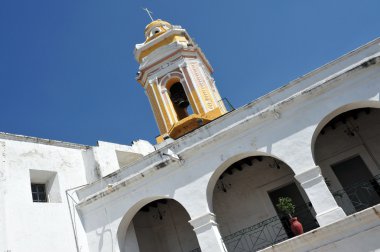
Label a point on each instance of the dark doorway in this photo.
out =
(302, 211)
(357, 182)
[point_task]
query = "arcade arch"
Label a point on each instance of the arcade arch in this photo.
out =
(346, 146)
(244, 197)
(161, 225)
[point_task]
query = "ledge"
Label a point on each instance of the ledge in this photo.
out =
(343, 235)
(29, 139)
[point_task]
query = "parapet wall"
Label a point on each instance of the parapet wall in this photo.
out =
(357, 232)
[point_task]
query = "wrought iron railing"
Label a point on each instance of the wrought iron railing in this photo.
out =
(258, 236)
(269, 231)
(226, 104)
(359, 196)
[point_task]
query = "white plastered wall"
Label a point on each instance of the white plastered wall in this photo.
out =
(110, 157)
(46, 226)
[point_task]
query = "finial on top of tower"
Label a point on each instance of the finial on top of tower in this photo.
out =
(149, 13)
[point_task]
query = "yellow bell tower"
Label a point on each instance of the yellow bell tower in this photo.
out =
(177, 79)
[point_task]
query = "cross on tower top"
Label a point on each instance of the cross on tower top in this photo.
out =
(149, 13)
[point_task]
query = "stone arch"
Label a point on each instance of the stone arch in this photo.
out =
(336, 112)
(345, 147)
(243, 192)
(128, 216)
(166, 80)
(169, 216)
(175, 82)
(227, 163)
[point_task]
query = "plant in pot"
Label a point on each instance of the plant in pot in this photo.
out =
(286, 206)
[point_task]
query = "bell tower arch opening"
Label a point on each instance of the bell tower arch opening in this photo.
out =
(179, 100)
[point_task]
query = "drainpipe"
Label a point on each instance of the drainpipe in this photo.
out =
(71, 214)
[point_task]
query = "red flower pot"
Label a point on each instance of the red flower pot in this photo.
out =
(296, 226)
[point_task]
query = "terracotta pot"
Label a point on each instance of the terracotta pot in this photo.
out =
(296, 226)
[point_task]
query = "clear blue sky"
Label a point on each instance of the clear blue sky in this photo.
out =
(67, 68)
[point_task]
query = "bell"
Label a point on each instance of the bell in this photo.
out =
(183, 103)
(178, 95)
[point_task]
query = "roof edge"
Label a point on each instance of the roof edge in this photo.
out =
(29, 139)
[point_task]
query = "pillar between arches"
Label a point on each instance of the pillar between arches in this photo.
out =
(207, 232)
(324, 204)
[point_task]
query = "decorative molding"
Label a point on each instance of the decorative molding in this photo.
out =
(309, 177)
(199, 85)
(158, 104)
(189, 85)
(203, 222)
(330, 216)
(160, 38)
(168, 76)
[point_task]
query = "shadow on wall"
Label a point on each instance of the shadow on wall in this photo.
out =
(101, 240)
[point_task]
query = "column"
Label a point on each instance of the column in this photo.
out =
(320, 196)
(207, 232)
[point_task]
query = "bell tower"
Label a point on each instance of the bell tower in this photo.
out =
(177, 79)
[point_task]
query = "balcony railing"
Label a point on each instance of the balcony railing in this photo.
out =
(352, 199)
(258, 236)
(268, 232)
(359, 196)
(227, 104)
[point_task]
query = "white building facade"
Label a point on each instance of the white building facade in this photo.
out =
(214, 188)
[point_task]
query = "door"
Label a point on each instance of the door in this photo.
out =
(357, 182)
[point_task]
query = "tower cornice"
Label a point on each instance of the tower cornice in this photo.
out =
(170, 36)
(158, 63)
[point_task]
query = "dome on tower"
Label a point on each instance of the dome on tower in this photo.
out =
(156, 28)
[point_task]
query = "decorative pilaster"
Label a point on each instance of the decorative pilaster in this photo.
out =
(198, 106)
(320, 196)
(207, 232)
